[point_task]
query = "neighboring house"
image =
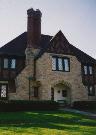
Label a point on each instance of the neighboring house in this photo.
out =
(34, 66)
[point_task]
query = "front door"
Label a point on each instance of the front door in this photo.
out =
(3, 91)
(60, 95)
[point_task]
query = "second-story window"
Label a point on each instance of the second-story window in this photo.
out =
(5, 63)
(53, 63)
(13, 63)
(88, 70)
(85, 70)
(60, 64)
(9, 63)
(66, 63)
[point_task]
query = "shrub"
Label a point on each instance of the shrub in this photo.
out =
(24, 105)
(85, 105)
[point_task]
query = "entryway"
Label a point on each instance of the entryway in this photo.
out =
(61, 92)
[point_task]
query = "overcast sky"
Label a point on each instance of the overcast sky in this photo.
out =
(76, 19)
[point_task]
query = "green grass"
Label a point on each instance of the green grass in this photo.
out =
(46, 123)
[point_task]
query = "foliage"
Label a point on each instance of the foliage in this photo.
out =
(84, 105)
(25, 105)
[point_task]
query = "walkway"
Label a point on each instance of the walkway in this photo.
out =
(90, 115)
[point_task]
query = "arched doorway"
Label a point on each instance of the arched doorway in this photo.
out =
(61, 90)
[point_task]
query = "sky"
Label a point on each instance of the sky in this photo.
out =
(75, 18)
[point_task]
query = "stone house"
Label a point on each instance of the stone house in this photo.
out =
(34, 66)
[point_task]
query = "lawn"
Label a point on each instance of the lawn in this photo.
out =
(46, 123)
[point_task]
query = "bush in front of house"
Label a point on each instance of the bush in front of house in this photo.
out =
(24, 105)
(85, 105)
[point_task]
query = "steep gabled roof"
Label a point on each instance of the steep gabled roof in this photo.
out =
(18, 45)
(66, 49)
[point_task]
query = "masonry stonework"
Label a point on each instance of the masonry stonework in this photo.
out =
(44, 74)
(48, 78)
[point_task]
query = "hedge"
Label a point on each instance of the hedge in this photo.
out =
(85, 105)
(23, 105)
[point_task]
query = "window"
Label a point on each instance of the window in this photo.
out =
(66, 63)
(5, 63)
(88, 70)
(13, 63)
(85, 70)
(53, 63)
(3, 91)
(60, 64)
(52, 93)
(35, 91)
(64, 93)
(10, 63)
(91, 91)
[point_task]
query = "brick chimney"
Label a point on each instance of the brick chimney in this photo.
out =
(33, 28)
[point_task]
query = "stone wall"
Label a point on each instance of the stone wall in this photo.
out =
(47, 77)
(22, 80)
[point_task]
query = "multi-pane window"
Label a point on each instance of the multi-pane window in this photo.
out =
(13, 63)
(10, 63)
(3, 91)
(5, 63)
(88, 70)
(60, 64)
(53, 63)
(66, 64)
(91, 91)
